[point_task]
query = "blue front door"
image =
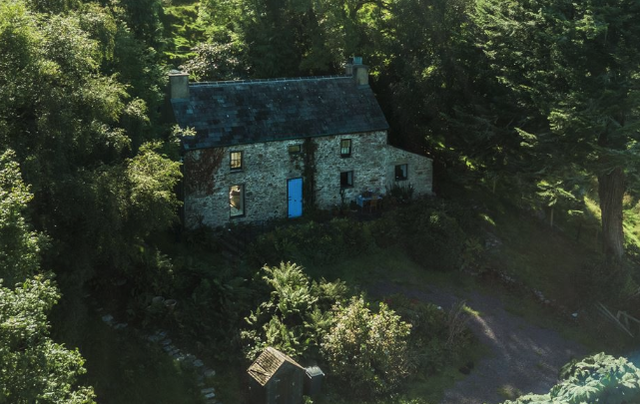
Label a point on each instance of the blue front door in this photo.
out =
(294, 195)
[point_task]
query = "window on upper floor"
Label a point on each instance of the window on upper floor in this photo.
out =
(235, 161)
(294, 149)
(402, 172)
(345, 148)
(346, 179)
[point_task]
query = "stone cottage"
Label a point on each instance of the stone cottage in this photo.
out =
(267, 149)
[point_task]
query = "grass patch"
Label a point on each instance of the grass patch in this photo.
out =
(391, 265)
(433, 387)
(593, 334)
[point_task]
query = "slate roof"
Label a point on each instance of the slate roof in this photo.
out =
(268, 363)
(243, 112)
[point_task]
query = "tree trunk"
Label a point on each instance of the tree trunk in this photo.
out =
(611, 187)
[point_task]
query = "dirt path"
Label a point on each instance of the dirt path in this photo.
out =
(523, 357)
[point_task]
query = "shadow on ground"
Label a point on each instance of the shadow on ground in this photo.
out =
(524, 358)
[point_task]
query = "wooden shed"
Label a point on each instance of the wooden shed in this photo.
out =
(275, 378)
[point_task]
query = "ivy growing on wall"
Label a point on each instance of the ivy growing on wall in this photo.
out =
(309, 148)
(199, 169)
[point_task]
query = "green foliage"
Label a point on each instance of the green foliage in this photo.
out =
(143, 18)
(216, 62)
(607, 282)
(52, 6)
(184, 31)
(19, 246)
(401, 194)
(293, 37)
(297, 314)
(212, 299)
(596, 379)
(152, 179)
(33, 368)
(437, 337)
(311, 242)
(572, 66)
(431, 234)
(367, 351)
(68, 124)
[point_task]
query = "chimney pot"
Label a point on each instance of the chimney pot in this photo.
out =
(360, 72)
(179, 84)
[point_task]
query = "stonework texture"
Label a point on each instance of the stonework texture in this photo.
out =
(266, 167)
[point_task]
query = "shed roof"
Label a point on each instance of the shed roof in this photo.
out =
(268, 363)
(243, 112)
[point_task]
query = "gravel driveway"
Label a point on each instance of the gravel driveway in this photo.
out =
(523, 357)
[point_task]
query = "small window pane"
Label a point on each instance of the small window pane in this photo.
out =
(236, 160)
(402, 172)
(345, 147)
(346, 179)
(236, 200)
(294, 149)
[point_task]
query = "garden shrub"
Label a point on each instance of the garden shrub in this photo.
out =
(366, 351)
(296, 316)
(608, 282)
(385, 231)
(598, 378)
(212, 301)
(432, 343)
(438, 241)
(429, 231)
(317, 243)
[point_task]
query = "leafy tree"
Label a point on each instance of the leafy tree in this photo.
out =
(598, 378)
(19, 246)
(151, 181)
(78, 134)
(184, 30)
(367, 350)
(574, 65)
(294, 37)
(297, 314)
(33, 368)
(143, 18)
(216, 62)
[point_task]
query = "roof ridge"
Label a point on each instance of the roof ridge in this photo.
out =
(274, 80)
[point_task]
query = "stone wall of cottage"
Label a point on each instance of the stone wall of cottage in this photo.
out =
(267, 167)
(367, 161)
(420, 171)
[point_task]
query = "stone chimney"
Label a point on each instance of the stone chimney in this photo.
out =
(178, 84)
(360, 72)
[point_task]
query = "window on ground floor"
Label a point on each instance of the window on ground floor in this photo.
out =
(236, 200)
(346, 179)
(402, 172)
